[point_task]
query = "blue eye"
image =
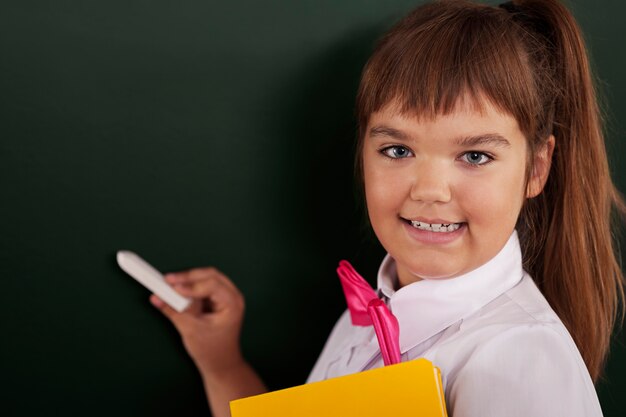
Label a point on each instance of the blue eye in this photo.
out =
(476, 158)
(396, 152)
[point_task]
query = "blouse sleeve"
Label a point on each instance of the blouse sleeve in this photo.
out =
(525, 371)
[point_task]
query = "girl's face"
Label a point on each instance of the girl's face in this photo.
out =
(465, 170)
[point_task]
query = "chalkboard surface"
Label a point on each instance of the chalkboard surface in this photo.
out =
(193, 133)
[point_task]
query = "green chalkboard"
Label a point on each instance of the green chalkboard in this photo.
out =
(193, 133)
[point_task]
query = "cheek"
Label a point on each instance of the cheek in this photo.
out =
(493, 201)
(385, 190)
(380, 196)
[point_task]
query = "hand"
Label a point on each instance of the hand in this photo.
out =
(210, 327)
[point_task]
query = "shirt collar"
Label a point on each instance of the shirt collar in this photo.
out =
(424, 308)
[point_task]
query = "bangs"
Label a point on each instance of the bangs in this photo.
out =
(447, 52)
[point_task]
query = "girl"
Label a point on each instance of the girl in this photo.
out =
(481, 158)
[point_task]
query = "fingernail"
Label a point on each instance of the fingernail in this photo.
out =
(157, 302)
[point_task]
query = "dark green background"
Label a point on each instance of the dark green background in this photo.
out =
(194, 133)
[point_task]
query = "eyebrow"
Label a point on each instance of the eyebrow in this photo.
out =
(493, 139)
(388, 132)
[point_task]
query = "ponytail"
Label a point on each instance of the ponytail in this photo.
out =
(567, 231)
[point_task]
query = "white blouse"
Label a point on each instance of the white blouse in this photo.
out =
(501, 348)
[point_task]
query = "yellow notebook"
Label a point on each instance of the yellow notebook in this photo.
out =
(406, 389)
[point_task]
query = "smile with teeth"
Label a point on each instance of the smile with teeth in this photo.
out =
(435, 227)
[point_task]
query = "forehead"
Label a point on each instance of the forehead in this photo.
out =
(468, 103)
(467, 115)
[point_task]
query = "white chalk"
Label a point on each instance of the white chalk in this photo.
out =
(152, 279)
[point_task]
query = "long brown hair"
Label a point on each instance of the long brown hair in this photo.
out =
(528, 58)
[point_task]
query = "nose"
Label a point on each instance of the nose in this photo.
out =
(430, 183)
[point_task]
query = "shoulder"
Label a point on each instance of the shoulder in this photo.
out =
(523, 370)
(521, 312)
(515, 357)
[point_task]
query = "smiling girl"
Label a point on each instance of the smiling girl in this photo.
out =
(482, 162)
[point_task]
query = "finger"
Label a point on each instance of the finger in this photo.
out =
(227, 282)
(195, 275)
(222, 297)
(191, 275)
(185, 283)
(200, 282)
(209, 288)
(177, 319)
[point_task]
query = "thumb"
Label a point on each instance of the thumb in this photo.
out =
(175, 317)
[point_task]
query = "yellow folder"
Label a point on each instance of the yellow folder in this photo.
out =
(406, 389)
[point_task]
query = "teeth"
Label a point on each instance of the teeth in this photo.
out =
(436, 227)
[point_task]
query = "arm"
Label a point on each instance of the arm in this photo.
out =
(238, 382)
(210, 330)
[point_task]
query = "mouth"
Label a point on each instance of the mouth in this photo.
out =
(434, 227)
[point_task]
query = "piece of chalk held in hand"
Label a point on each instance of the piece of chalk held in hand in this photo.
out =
(152, 279)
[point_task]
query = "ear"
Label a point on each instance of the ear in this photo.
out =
(541, 168)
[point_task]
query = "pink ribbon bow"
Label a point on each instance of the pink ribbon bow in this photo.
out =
(367, 309)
